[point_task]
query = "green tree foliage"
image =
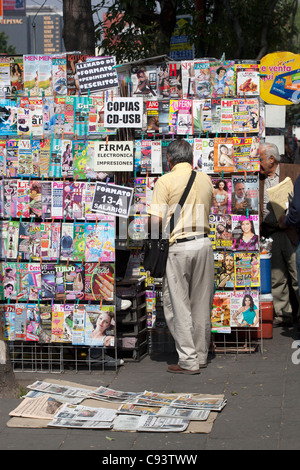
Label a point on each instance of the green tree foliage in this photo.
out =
(4, 47)
(240, 29)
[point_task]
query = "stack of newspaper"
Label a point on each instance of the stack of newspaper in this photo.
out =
(123, 411)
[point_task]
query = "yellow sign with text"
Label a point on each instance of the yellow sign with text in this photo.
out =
(280, 78)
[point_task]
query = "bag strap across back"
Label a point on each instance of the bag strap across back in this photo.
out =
(182, 200)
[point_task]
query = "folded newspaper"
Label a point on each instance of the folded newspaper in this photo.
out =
(280, 196)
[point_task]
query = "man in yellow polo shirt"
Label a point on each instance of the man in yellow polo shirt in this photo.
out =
(188, 284)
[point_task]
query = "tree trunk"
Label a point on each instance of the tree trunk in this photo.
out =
(8, 385)
(79, 29)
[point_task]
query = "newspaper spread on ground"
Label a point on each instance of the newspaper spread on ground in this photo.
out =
(108, 394)
(47, 387)
(73, 423)
(213, 404)
(83, 416)
(61, 398)
(44, 407)
(154, 399)
(132, 409)
(126, 423)
(184, 413)
(162, 424)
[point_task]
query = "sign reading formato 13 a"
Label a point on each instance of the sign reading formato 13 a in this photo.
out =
(123, 112)
(112, 199)
(113, 156)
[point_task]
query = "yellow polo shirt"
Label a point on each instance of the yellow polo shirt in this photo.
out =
(194, 217)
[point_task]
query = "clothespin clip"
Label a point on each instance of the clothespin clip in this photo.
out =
(247, 213)
(107, 139)
(222, 174)
(226, 136)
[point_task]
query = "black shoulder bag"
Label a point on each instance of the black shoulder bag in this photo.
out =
(156, 250)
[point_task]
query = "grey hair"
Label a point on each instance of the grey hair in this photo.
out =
(180, 151)
(270, 149)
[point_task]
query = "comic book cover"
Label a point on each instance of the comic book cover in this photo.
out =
(2, 158)
(57, 327)
(223, 154)
(23, 199)
(222, 196)
(34, 280)
(37, 75)
(68, 323)
(67, 159)
(246, 115)
(55, 240)
(175, 79)
(244, 308)
(35, 241)
(79, 241)
(246, 154)
(55, 159)
(173, 116)
(23, 246)
(80, 151)
(45, 323)
(20, 322)
(12, 240)
(152, 116)
(100, 325)
(9, 322)
(185, 117)
(247, 269)
(245, 197)
(245, 232)
(12, 157)
(10, 198)
(78, 325)
(88, 201)
(204, 154)
(45, 149)
(8, 117)
(32, 322)
(46, 199)
(220, 231)
(144, 81)
(66, 242)
(10, 280)
(35, 194)
(224, 269)
(215, 115)
(57, 199)
(59, 74)
(247, 79)
(220, 315)
(99, 281)
(223, 80)
(48, 281)
(46, 241)
(202, 79)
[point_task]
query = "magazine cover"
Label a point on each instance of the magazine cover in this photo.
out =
(197, 117)
(244, 311)
(23, 293)
(73, 200)
(59, 74)
(224, 269)
(188, 78)
(202, 79)
(173, 116)
(67, 242)
(226, 115)
(55, 240)
(245, 232)
(10, 198)
(185, 117)
(32, 322)
(34, 280)
(8, 117)
(9, 322)
(67, 159)
(25, 163)
(99, 281)
(20, 322)
(55, 159)
(12, 156)
(68, 323)
(88, 200)
(35, 199)
(100, 325)
(57, 199)
(152, 116)
(45, 323)
(45, 149)
(57, 327)
(163, 116)
(16, 75)
(221, 196)
(10, 280)
(96, 116)
(12, 240)
(78, 324)
(204, 154)
(79, 241)
(220, 231)
(35, 241)
(46, 249)
(220, 315)
(139, 195)
(215, 115)
(223, 154)
(175, 79)
(48, 116)
(163, 80)
(48, 281)
(72, 80)
(99, 241)
(2, 158)
(244, 196)
(38, 75)
(247, 79)
(144, 81)
(80, 152)
(23, 245)
(223, 82)
(246, 154)
(247, 269)
(246, 115)
(69, 282)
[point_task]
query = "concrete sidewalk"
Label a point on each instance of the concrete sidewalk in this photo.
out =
(262, 412)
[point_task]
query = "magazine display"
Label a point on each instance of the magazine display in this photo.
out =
(244, 309)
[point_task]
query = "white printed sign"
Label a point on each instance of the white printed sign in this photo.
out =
(123, 112)
(113, 156)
